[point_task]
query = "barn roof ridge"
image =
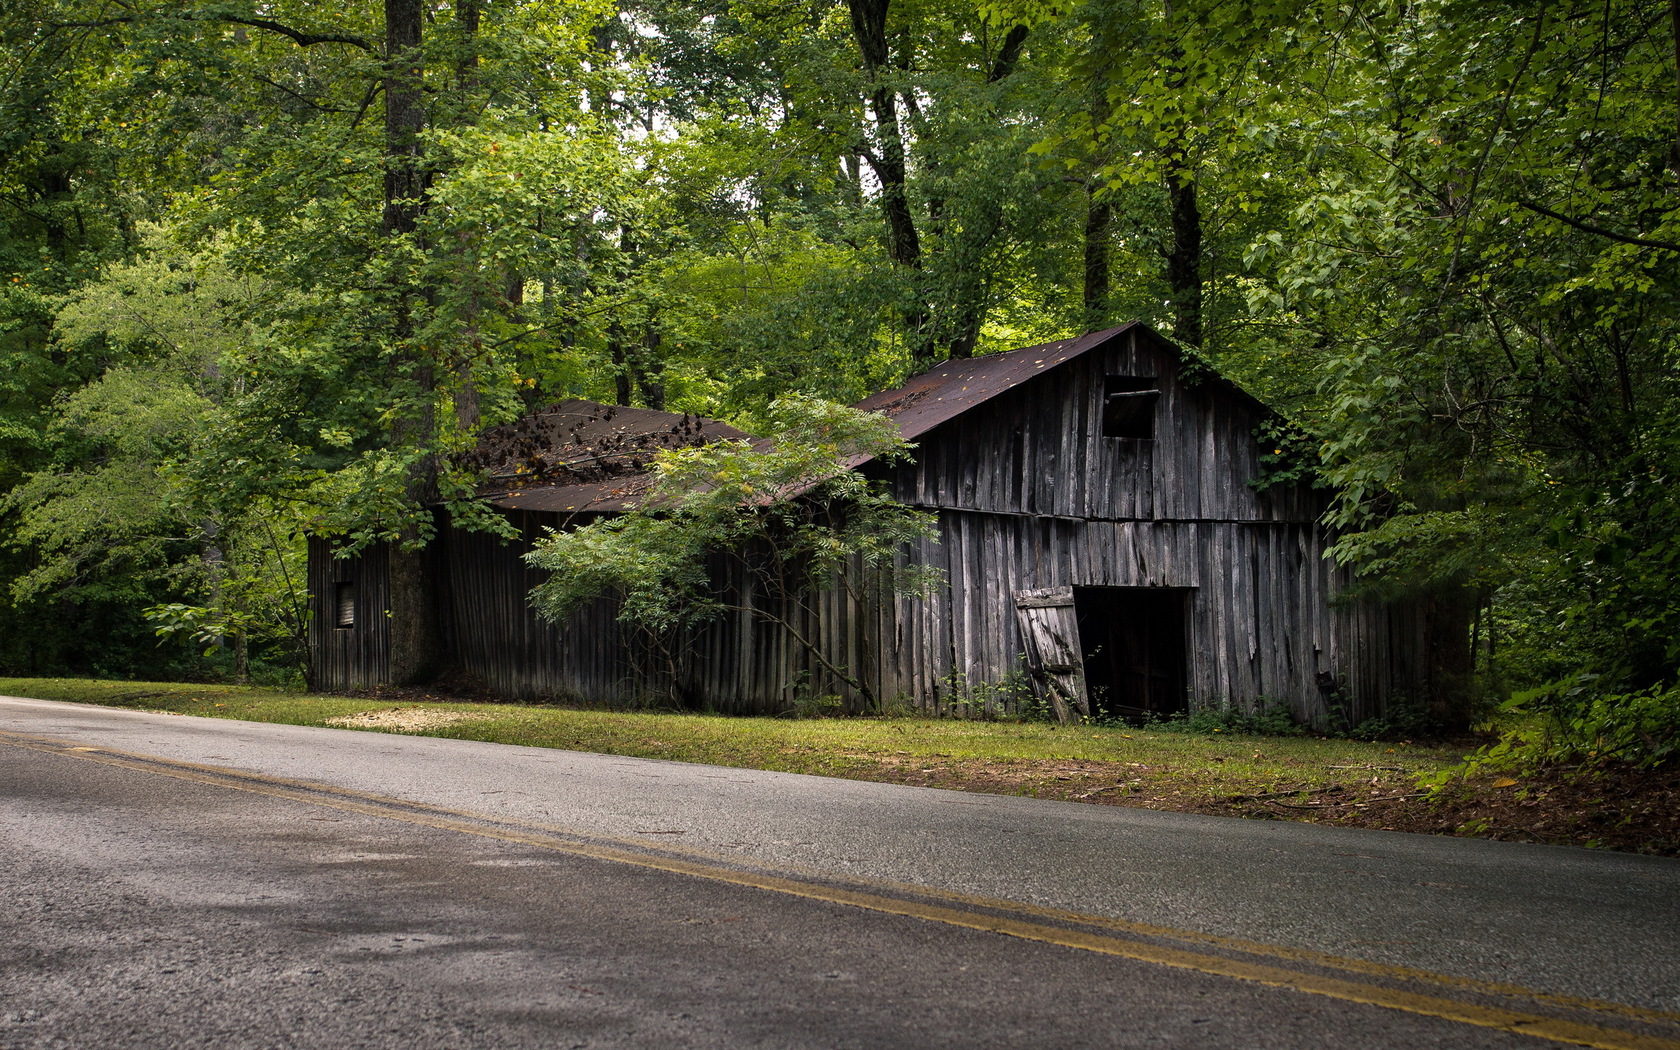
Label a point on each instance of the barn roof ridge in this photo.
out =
(948, 390)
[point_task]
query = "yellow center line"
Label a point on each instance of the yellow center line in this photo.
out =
(953, 909)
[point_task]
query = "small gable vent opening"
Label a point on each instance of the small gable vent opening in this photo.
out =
(344, 604)
(1129, 406)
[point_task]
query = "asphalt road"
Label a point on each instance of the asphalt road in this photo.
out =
(172, 881)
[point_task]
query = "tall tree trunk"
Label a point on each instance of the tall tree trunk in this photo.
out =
(963, 247)
(1099, 219)
(468, 410)
(1184, 254)
(1009, 54)
(966, 289)
(415, 637)
(851, 180)
(56, 198)
(869, 25)
(966, 329)
(405, 117)
(621, 362)
(1184, 258)
(1099, 207)
(1674, 30)
(241, 657)
(904, 244)
(649, 369)
(467, 15)
(215, 571)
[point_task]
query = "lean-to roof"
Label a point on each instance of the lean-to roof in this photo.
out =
(580, 456)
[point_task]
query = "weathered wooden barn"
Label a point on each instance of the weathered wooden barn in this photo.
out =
(1100, 540)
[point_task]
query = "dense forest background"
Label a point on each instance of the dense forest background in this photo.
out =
(265, 266)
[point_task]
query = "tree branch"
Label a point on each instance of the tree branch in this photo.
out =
(367, 100)
(298, 36)
(1599, 231)
(311, 103)
(301, 38)
(1010, 53)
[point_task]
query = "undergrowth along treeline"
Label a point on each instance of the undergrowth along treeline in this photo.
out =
(244, 301)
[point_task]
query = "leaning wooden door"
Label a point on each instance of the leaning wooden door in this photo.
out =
(1050, 636)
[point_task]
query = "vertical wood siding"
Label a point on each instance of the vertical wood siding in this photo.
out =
(500, 640)
(1262, 623)
(353, 657)
(1261, 620)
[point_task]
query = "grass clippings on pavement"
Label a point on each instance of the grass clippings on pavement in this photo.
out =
(402, 719)
(1332, 781)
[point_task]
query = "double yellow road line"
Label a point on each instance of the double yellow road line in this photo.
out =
(1563, 1019)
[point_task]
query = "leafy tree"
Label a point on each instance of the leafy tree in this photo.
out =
(1482, 273)
(112, 518)
(789, 516)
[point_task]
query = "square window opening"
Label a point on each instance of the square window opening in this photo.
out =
(1129, 406)
(344, 605)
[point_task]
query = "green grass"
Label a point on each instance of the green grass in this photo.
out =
(1029, 758)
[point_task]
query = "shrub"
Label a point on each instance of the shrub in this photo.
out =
(1273, 719)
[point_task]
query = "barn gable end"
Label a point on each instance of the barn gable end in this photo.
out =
(1037, 445)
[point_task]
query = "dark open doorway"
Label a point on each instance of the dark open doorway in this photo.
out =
(1134, 641)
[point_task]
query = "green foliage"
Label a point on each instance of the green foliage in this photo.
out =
(1011, 697)
(104, 515)
(1474, 267)
(792, 512)
(1405, 721)
(113, 518)
(1575, 722)
(766, 311)
(1288, 455)
(1584, 724)
(1273, 719)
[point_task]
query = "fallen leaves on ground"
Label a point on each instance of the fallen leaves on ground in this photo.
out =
(1612, 809)
(403, 719)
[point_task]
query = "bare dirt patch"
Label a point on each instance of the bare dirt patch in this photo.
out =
(404, 719)
(1621, 809)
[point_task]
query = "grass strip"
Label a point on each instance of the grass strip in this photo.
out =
(1107, 764)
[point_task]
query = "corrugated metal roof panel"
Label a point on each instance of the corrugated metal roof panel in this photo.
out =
(582, 456)
(948, 390)
(599, 497)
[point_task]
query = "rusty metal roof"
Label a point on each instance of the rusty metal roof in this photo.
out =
(582, 456)
(598, 497)
(948, 390)
(945, 392)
